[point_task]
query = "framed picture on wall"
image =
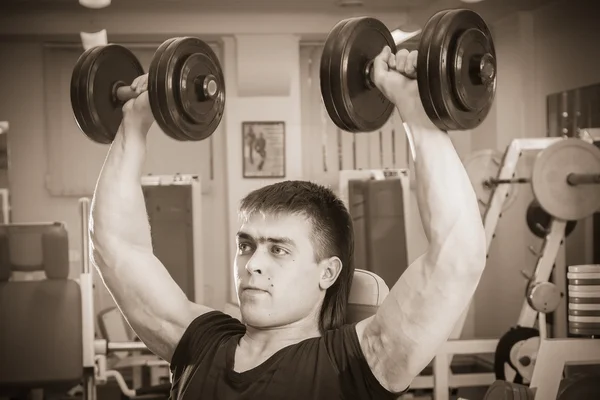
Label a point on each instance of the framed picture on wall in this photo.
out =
(263, 148)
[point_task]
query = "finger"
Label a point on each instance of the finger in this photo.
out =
(392, 61)
(135, 83)
(410, 68)
(401, 56)
(380, 64)
(142, 85)
(382, 58)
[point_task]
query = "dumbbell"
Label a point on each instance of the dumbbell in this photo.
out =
(186, 89)
(456, 71)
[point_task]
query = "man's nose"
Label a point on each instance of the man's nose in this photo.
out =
(257, 263)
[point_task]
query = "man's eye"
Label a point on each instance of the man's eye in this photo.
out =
(243, 247)
(279, 251)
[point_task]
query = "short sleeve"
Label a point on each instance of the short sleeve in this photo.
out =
(202, 338)
(355, 375)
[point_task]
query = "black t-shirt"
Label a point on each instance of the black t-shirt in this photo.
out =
(331, 367)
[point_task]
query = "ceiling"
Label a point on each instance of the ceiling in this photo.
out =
(419, 10)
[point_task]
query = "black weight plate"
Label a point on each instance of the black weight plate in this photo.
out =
(325, 74)
(423, 65)
(182, 113)
(362, 107)
(445, 77)
(538, 221)
(103, 68)
(505, 344)
(153, 91)
(75, 90)
(100, 136)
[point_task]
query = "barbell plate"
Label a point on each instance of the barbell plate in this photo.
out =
(181, 113)
(461, 37)
(549, 179)
(102, 68)
(360, 106)
(154, 90)
(423, 65)
(538, 221)
(482, 165)
(325, 74)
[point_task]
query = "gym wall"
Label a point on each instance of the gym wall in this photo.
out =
(536, 56)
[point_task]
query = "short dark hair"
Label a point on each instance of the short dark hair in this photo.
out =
(332, 228)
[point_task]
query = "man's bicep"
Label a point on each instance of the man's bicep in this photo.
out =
(415, 320)
(151, 301)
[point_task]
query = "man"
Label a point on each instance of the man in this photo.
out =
(293, 270)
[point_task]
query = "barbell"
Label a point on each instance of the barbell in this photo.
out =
(480, 166)
(186, 89)
(565, 179)
(456, 71)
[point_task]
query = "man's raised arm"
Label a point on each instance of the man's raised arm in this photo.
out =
(121, 244)
(423, 307)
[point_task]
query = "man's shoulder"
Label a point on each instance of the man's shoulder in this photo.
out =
(206, 331)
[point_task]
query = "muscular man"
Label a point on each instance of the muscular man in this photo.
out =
(293, 270)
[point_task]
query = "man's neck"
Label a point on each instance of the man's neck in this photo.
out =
(259, 341)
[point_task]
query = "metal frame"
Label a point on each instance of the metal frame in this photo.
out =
(552, 357)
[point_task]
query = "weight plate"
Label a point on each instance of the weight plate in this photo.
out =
(423, 65)
(75, 90)
(482, 165)
(153, 90)
(584, 313)
(543, 296)
(502, 390)
(325, 74)
(589, 268)
(549, 179)
(104, 67)
(462, 98)
(180, 74)
(538, 221)
(360, 105)
(99, 135)
(505, 344)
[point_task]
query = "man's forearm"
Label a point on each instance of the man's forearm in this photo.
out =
(446, 199)
(118, 217)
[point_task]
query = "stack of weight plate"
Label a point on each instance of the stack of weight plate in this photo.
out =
(584, 300)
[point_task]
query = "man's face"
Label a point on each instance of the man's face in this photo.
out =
(278, 279)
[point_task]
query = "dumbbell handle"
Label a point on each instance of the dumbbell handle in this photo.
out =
(123, 93)
(206, 88)
(485, 71)
(574, 179)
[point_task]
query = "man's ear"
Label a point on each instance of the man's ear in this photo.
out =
(331, 268)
